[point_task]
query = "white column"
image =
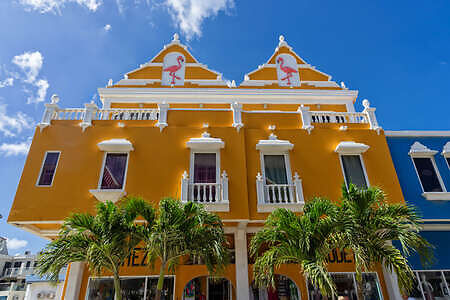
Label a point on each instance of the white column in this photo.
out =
(73, 278)
(89, 110)
(240, 243)
(371, 118)
(390, 278)
(237, 115)
(162, 119)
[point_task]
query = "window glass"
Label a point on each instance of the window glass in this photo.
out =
(345, 288)
(101, 289)
(446, 291)
(133, 289)
(353, 170)
(427, 174)
(284, 289)
(205, 168)
(433, 285)
(48, 169)
(275, 169)
(167, 290)
(448, 161)
(371, 287)
(114, 171)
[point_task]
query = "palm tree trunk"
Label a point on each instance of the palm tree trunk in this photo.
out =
(160, 285)
(117, 289)
(360, 293)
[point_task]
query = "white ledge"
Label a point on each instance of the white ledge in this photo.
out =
(273, 144)
(446, 150)
(419, 150)
(206, 142)
(108, 195)
(223, 206)
(436, 196)
(270, 207)
(116, 145)
(349, 148)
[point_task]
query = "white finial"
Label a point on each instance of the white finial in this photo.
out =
(272, 127)
(282, 41)
(185, 175)
(233, 83)
(343, 85)
(110, 82)
(54, 99)
(205, 125)
(176, 38)
(205, 135)
(273, 137)
(366, 103)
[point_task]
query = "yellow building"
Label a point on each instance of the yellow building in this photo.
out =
(173, 127)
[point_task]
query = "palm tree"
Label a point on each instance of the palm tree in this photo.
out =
(102, 241)
(183, 229)
(370, 223)
(305, 240)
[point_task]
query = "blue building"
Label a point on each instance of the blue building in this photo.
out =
(422, 162)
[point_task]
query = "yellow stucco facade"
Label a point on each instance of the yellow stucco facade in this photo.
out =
(160, 118)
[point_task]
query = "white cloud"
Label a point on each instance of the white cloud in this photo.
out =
(14, 149)
(107, 27)
(45, 6)
(14, 244)
(6, 82)
(30, 63)
(189, 14)
(12, 125)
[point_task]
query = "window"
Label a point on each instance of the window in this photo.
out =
(48, 169)
(114, 170)
(275, 169)
(428, 175)
(205, 169)
(353, 170)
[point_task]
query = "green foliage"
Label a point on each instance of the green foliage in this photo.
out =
(363, 221)
(181, 229)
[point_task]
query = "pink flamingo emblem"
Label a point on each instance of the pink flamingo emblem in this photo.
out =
(173, 69)
(287, 70)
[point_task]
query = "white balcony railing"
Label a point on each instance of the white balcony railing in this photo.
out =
(18, 272)
(272, 196)
(367, 116)
(213, 195)
(91, 112)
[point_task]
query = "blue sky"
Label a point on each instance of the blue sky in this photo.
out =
(396, 53)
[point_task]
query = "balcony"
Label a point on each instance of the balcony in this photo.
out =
(213, 195)
(273, 196)
(18, 272)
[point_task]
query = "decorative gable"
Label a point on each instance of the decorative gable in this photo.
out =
(173, 66)
(286, 69)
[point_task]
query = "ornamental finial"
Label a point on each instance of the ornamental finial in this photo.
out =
(282, 41)
(54, 99)
(366, 103)
(176, 38)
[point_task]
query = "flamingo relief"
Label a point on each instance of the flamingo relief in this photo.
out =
(174, 68)
(287, 70)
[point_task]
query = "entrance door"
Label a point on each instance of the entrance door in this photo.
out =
(218, 289)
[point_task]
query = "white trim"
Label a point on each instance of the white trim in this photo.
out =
(436, 196)
(37, 222)
(435, 227)
(417, 133)
(438, 175)
(42, 167)
(104, 195)
(270, 207)
(206, 142)
(419, 150)
(226, 95)
(274, 145)
(446, 150)
(286, 162)
(116, 145)
(351, 148)
(363, 166)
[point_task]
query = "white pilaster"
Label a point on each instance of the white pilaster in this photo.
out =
(240, 243)
(73, 278)
(390, 278)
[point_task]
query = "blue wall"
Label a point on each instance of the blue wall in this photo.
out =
(409, 181)
(441, 241)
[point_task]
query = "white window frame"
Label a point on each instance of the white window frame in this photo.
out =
(363, 166)
(287, 164)
(192, 162)
(433, 162)
(446, 153)
(42, 167)
(103, 170)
